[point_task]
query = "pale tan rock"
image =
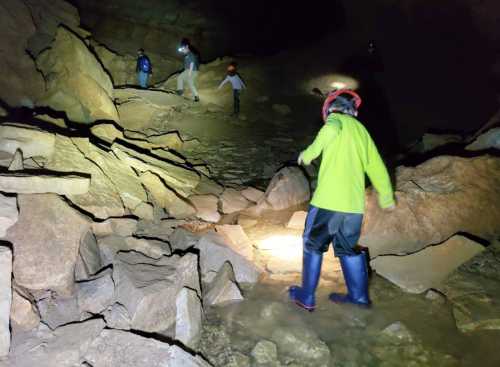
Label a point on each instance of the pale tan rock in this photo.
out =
(78, 84)
(42, 184)
(233, 201)
(23, 314)
(223, 288)
(236, 239)
(428, 268)
(8, 213)
(168, 140)
(288, 187)
(107, 132)
(252, 194)
(297, 221)
(46, 239)
(206, 207)
(176, 206)
(5, 298)
(32, 142)
(435, 200)
(17, 161)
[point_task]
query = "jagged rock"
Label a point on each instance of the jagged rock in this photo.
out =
(169, 140)
(180, 179)
(252, 194)
(417, 272)
(52, 120)
(23, 314)
(143, 285)
(107, 132)
(302, 345)
(189, 316)
(32, 142)
(56, 311)
(95, 295)
(265, 353)
(102, 200)
(78, 85)
(223, 288)
(206, 207)
(182, 239)
(123, 227)
(159, 230)
(117, 317)
(89, 258)
(289, 187)
(21, 83)
(121, 348)
(46, 239)
(436, 200)
(282, 109)
(214, 252)
(111, 245)
(233, 201)
(63, 347)
(5, 298)
(8, 213)
(176, 206)
(433, 141)
(237, 239)
(474, 293)
(297, 221)
(17, 162)
(42, 184)
(490, 139)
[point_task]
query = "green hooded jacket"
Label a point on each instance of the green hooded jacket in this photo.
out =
(348, 152)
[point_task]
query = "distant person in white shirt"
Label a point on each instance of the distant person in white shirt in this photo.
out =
(237, 84)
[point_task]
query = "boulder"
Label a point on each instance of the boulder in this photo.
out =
(17, 162)
(252, 194)
(117, 317)
(488, 140)
(182, 239)
(143, 285)
(97, 294)
(176, 206)
(110, 246)
(233, 201)
(21, 83)
(56, 311)
(42, 184)
(123, 227)
(237, 239)
(63, 347)
(89, 258)
(298, 220)
(8, 213)
(289, 187)
(76, 82)
(301, 344)
(5, 299)
(214, 252)
(121, 348)
(265, 353)
(188, 322)
(206, 207)
(102, 200)
(428, 268)
(473, 291)
(223, 288)
(46, 239)
(32, 142)
(435, 200)
(23, 314)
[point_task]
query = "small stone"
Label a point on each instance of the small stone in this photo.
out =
(297, 221)
(223, 288)
(233, 201)
(23, 314)
(206, 207)
(252, 194)
(265, 353)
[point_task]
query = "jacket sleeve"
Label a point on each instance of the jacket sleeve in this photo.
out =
(223, 82)
(379, 177)
(325, 135)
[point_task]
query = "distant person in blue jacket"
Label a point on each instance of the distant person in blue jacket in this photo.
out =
(237, 84)
(143, 68)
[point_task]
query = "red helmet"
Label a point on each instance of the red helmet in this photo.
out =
(332, 96)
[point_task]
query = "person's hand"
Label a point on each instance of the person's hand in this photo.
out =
(390, 208)
(300, 159)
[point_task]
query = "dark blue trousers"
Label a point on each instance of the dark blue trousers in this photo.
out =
(326, 226)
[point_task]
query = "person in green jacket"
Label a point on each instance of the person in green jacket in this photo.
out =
(336, 210)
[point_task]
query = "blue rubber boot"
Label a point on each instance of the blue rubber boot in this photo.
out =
(356, 278)
(311, 269)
